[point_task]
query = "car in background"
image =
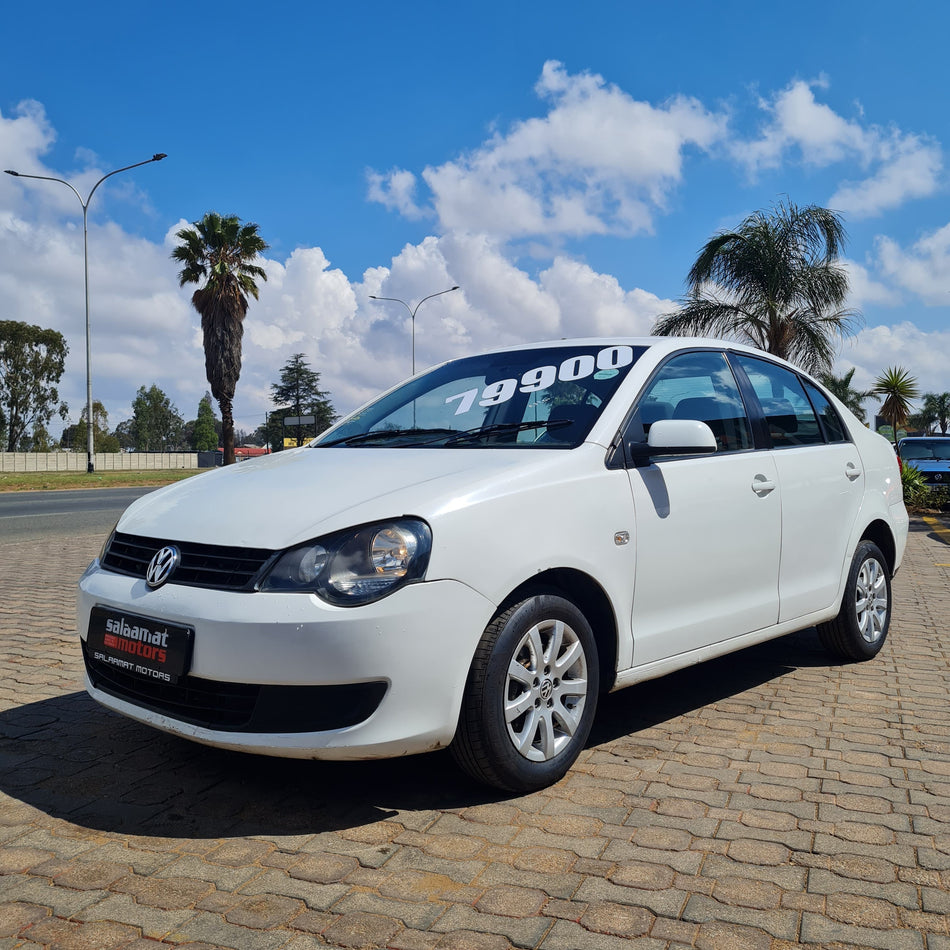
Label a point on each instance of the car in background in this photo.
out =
(930, 455)
(472, 558)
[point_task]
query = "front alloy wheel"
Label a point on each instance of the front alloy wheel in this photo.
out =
(530, 697)
(546, 691)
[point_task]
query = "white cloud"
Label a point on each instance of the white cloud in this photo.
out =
(903, 166)
(25, 137)
(925, 355)
(598, 162)
(23, 141)
(924, 270)
(798, 120)
(593, 304)
(865, 290)
(909, 167)
(395, 191)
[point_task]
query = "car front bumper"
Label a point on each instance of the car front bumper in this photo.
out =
(392, 672)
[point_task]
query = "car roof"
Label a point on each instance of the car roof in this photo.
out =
(658, 345)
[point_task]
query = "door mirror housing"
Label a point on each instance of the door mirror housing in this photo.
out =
(673, 437)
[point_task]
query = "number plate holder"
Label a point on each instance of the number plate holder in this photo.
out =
(140, 646)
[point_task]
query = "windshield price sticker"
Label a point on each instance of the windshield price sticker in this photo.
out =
(608, 361)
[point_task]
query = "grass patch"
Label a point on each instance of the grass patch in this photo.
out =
(60, 481)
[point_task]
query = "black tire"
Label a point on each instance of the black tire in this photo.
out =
(860, 629)
(551, 706)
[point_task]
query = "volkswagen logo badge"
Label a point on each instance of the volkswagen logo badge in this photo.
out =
(162, 565)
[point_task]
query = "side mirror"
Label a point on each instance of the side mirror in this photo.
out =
(673, 437)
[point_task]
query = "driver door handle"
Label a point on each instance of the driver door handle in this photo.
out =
(762, 485)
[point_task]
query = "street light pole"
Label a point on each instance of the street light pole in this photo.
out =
(157, 157)
(412, 315)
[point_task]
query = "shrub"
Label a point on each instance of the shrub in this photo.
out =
(918, 495)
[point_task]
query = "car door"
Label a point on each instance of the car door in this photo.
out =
(708, 528)
(822, 484)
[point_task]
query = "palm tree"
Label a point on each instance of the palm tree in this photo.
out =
(841, 387)
(895, 387)
(936, 407)
(774, 282)
(219, 251)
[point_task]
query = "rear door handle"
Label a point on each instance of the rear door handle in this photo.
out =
(762, 485)
(852, 471)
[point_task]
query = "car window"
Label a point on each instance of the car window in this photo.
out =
(698, 386)
(788, 413)
(835, 430)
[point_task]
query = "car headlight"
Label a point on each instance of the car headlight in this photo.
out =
(356, 566)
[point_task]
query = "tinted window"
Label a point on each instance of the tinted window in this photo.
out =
(830, 420)
(698, 386)
(789, 414)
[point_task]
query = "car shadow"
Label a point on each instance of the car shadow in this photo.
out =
(73, 760)
(660, 700)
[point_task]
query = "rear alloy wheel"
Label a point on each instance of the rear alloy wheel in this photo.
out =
(530, 697)
(860, 629)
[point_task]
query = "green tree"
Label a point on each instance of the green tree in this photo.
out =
(298, 394)
(125, 435)
(75, 436)
(39, 441)
(32, 361)
(936, 408)
(204, 436)
(156, 423)
(220, 251)
(922, 421)
(775, 282)
(895, 387)
(841, 387)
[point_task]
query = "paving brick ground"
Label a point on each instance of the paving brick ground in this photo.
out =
(765, 801)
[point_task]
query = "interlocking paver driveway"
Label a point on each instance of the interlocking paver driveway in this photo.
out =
(771, 799)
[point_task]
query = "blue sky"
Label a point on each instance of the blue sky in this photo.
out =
(562, 163)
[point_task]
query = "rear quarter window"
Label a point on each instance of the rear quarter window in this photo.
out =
(831, 423)
(789, 415)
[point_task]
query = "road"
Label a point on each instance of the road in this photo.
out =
(44, 514)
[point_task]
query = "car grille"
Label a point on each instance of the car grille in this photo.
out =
(202, 565)
(242, 707)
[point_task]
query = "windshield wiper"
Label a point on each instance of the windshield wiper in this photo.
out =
(451, 436)
(472, 435)
(359, 437)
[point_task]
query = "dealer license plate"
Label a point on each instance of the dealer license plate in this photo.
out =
(141, 646)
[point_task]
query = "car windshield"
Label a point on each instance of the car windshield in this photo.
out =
(926, 449)
(535, 398)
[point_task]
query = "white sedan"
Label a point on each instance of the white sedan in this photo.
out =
(473, 557)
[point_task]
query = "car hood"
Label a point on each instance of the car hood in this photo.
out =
(293, 496)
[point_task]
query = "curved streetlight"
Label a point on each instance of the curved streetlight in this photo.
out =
(412, 314)
(157, 157)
